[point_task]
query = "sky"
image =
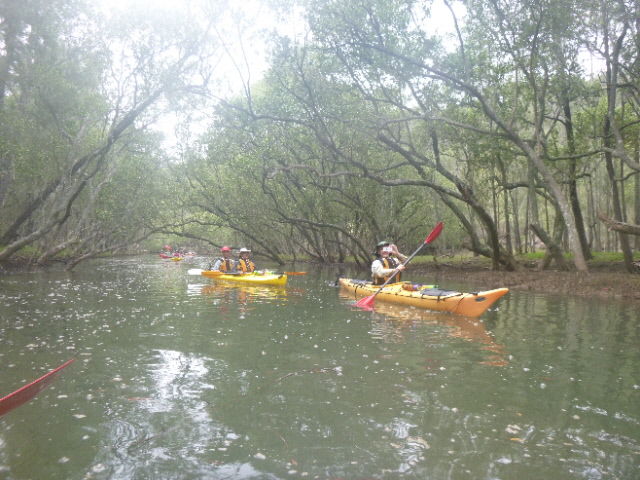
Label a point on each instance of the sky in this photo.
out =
(241, 33)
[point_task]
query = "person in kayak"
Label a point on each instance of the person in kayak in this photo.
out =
(225, 263)
(388, 260)
(244, 263)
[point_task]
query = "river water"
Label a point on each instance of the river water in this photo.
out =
(179, 377)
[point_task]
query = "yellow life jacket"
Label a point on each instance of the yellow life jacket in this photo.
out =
(389, 262)
(226, 265)
(245, 265)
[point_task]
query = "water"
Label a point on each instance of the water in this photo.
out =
(181, 377)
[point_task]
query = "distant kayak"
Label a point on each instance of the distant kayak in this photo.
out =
(427, 296)
(250, 278)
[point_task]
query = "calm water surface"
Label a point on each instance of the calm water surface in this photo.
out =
(178, 377)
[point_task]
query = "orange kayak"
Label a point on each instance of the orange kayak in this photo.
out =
(427, 296)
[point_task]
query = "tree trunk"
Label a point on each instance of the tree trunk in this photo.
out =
(516, 222)
(573, 184)
(553, 249)
(636, 189)
(615, 198)
(505, 193)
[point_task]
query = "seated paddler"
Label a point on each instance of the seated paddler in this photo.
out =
(225, 264)
(244, 264)
(388, 261)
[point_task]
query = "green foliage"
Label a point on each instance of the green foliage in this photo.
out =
(375, 126)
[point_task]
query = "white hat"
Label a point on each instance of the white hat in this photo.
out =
(244, 250)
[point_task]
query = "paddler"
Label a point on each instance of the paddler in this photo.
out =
(225, 264)
(244, 264)
(388, 260)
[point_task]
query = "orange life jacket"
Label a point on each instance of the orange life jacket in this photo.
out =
(245, 265)
(389, 262)
(226, 265)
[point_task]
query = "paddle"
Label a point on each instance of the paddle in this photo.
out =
(26, 393)
(367, 302)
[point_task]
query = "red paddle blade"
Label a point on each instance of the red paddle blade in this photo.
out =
(435, 233)
(366, 302)
(26, 393)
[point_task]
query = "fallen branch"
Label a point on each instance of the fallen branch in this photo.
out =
(619, 226)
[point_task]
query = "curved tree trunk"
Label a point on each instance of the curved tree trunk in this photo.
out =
(553, 249)
(573, 185)
(615, 200)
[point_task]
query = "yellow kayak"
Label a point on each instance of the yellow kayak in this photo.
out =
(250, 278)
(427, 296)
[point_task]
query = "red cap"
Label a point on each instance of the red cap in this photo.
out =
(225, 249)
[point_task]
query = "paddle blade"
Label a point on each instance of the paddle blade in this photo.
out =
(295, 273)
(26, 393)
(194, 271)
(366, 302)
(435, 233)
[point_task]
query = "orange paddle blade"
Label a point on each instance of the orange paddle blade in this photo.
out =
(26, 393)
(295, 273)
(435, 233)
(366, 302)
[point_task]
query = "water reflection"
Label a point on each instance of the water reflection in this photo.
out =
(393, 323)
(192, 381)
(168, 425)
(243, 297)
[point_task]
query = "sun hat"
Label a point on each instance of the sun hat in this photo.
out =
(381, 244)
(225, 249)
(244, 250)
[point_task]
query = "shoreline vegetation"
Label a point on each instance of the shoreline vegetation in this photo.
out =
(607, 277)
(322, 145)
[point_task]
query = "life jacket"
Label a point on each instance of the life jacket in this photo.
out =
(389, 262)
(226, 265)
(245, 265)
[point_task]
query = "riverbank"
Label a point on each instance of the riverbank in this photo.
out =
(607, 277)
(604, 279)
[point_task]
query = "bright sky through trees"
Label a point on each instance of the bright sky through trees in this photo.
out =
(243, 56)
